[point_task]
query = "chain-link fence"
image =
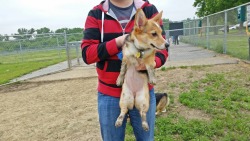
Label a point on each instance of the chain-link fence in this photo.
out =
(48, 48)
(223, 32)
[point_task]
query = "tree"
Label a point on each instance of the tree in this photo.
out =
(207, 7)
(165, 23)
(61, 30)
(76, 30)
(6, 37)
(31, 31)
(22, 31)
(1, 37)
(43, 30)
(69, 30)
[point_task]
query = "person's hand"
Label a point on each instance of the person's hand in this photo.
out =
(120, 40)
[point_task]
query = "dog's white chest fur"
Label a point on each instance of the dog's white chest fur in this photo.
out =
(130, 50)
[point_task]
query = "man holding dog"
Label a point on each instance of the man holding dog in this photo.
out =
(105, 31)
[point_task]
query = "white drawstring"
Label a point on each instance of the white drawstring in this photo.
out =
(102, 27)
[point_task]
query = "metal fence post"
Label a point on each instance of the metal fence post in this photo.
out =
(21, 50)
(20, 46)
(225, 35)
(57, 41)
(208, 45)
(194, 25)
(167, 34)
(189, 31)
(77, 55)
(67, 49)
(184, 32)
(249, 48)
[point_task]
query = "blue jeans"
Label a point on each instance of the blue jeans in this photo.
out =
(109, 110)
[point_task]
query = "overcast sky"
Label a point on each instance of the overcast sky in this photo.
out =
(56, 14)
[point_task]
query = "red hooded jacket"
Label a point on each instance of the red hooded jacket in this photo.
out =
(99, 45)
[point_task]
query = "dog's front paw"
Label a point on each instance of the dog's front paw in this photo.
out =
(145, 126)
(152, 81)
(119, 81)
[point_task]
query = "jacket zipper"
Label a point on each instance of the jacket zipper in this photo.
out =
(123, 29)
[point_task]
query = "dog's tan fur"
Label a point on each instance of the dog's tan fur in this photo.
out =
(139, 48)
(162, 104)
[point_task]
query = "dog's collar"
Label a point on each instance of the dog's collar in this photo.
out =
(140, 52)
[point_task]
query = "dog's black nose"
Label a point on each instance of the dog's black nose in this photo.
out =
(167, 46)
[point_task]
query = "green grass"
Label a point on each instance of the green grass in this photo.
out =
(32, 56)
(11, 71)
(226, 101)
(237, 43)
(224, 97)
(16, 65)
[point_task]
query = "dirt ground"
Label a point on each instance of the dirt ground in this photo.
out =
(67, 109)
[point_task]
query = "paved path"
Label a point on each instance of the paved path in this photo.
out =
(57, 68)
(188, 55)
(179, 55)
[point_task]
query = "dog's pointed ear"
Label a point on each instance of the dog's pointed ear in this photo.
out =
(140, 18)
(157, 17)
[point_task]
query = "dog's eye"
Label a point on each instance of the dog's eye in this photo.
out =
(154, 34)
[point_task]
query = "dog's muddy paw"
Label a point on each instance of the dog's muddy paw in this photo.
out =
(118, 123)
(119, 81)
(152, 81)
(145, 126)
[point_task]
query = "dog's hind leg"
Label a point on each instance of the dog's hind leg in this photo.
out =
(121, 117)
(144, 118)
(142, 104)
(126, 102)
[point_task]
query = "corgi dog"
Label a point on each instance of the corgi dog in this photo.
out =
(162, 101)
(139, 48)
